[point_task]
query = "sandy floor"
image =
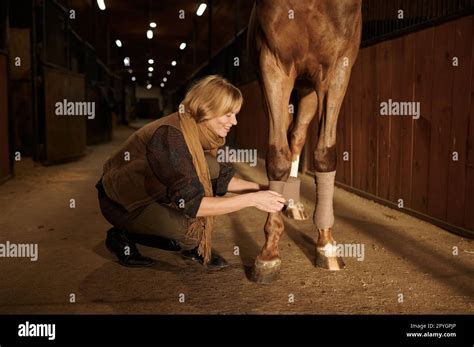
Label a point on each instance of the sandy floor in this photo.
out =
(403, 255)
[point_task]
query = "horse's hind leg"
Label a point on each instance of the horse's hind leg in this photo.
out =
(307, 106)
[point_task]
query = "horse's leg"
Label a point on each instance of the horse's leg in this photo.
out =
(276, 87)
(325, 167)
(307, 106)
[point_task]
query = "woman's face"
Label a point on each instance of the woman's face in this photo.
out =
(221, 125)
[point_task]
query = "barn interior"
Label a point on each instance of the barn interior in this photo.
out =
(405, 185)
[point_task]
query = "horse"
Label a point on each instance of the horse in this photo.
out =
(309, 46)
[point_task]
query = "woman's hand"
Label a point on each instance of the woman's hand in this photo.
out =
(268, 201)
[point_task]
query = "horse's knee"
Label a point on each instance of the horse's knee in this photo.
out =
(278, 163)
(325, 159)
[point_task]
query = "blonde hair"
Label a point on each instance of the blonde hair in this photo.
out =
(210, 97)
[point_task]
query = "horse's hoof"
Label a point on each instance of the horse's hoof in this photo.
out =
(266, 271)
(296, 211)
(328, 261)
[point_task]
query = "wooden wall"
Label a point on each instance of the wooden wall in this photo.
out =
(21, 89)
(65, 136)
(398, 157)
(5, 168)
(252, 122)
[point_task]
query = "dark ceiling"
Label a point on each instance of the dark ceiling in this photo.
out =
(128, 20)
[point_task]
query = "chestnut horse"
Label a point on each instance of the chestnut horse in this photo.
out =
(309, 45)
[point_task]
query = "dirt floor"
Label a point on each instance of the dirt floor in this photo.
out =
(403, 255)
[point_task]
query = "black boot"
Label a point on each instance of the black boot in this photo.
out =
(215, 263)
(126, 251)
(154, 241)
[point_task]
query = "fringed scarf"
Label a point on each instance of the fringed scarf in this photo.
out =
(200, 137)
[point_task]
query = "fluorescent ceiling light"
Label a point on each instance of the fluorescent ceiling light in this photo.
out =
(201, 9)
(101, 4)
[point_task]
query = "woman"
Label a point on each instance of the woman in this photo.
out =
(164, 185)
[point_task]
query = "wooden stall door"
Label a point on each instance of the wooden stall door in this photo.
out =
(5, 168)
(65, 135)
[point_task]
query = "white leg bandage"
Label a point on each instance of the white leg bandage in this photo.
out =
(294, 167)
(324, 215)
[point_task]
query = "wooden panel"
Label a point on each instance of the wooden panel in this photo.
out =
(99, 129)
(383, 53)
(348, 139)
(65, 134)
(469, 203)
(22, 117)
(310, 146)
(341, 164)
(460, 118)
(4, 138)
(359, 149)
(19, 47)
(441, 121)
(397, 83)
(406, 122)
(252, 129)
(424, 46)
(369, 118)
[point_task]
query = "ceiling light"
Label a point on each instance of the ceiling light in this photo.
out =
(162, 85)
(126, 61)
(201, 9)
(150, 69)
(165, 79)
(150, 61)
(182, 45)
(149, 34)
(152, 25)
(118, 43)
(133, 78)
(130, 71)
(168, 72)
(150, 74)
(173, 63)
(101, 4)
(148, 86)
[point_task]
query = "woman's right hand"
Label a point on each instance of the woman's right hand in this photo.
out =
(268, 201)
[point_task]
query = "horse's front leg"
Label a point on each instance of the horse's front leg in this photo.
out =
(325, 160)
(276, 87)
